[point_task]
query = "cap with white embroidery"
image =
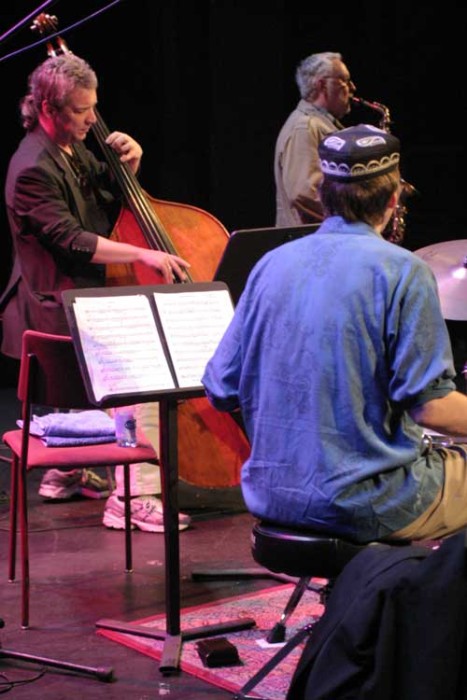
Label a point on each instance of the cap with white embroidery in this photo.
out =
(358, 153)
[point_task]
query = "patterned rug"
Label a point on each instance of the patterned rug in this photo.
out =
(265, 607)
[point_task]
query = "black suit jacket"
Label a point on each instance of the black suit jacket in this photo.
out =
(54, 224)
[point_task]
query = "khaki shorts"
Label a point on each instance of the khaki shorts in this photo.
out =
(448, 512)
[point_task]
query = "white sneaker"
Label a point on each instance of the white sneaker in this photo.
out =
(60, 485)
(93, 485)
(146, 514)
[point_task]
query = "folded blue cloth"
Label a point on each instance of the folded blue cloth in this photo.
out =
(76, 441)
(68, 429)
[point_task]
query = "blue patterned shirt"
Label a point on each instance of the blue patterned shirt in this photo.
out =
(335, 336)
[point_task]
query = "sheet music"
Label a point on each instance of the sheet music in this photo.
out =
(193, 325)
(121, 344)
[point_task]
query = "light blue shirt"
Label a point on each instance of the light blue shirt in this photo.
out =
(334, 337)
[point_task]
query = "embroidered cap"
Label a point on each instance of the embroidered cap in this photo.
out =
(358, 153)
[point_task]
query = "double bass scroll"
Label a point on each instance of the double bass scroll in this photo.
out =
(211, 446)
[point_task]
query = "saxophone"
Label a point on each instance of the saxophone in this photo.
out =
(395, 230)
(383, 111)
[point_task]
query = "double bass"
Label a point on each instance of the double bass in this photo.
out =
(211, 445)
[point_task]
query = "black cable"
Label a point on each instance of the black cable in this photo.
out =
(6, 685)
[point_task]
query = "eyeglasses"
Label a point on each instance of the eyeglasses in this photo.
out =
(344, 81)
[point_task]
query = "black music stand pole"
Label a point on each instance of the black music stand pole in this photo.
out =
(173, 636)
(169, 460)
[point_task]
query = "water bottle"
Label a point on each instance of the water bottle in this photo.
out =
(125, 426)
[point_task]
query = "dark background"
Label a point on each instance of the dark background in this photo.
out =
(206, 85)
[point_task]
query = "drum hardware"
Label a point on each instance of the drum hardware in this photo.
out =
(432, 440)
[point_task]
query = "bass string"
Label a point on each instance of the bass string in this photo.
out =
(150, 223)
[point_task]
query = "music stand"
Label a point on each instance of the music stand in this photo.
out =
(90, 330)
(246, 246)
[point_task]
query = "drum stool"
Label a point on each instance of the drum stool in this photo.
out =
(302, 554)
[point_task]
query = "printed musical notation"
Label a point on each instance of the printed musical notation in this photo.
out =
(130, 348)
(193, 327)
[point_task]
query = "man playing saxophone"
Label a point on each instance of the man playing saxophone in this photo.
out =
(326, 91)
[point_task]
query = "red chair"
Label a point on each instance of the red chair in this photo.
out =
(50, 376)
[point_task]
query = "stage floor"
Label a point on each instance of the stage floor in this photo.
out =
(77, 578)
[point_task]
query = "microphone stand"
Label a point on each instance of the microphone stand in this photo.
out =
(14, 29)
(47, 39)
(102, 673)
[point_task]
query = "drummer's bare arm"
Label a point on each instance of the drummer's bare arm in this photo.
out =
(447, 415)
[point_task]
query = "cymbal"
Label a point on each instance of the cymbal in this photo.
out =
(448, 262)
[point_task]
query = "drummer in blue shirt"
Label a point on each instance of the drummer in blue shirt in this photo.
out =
(338, 358)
